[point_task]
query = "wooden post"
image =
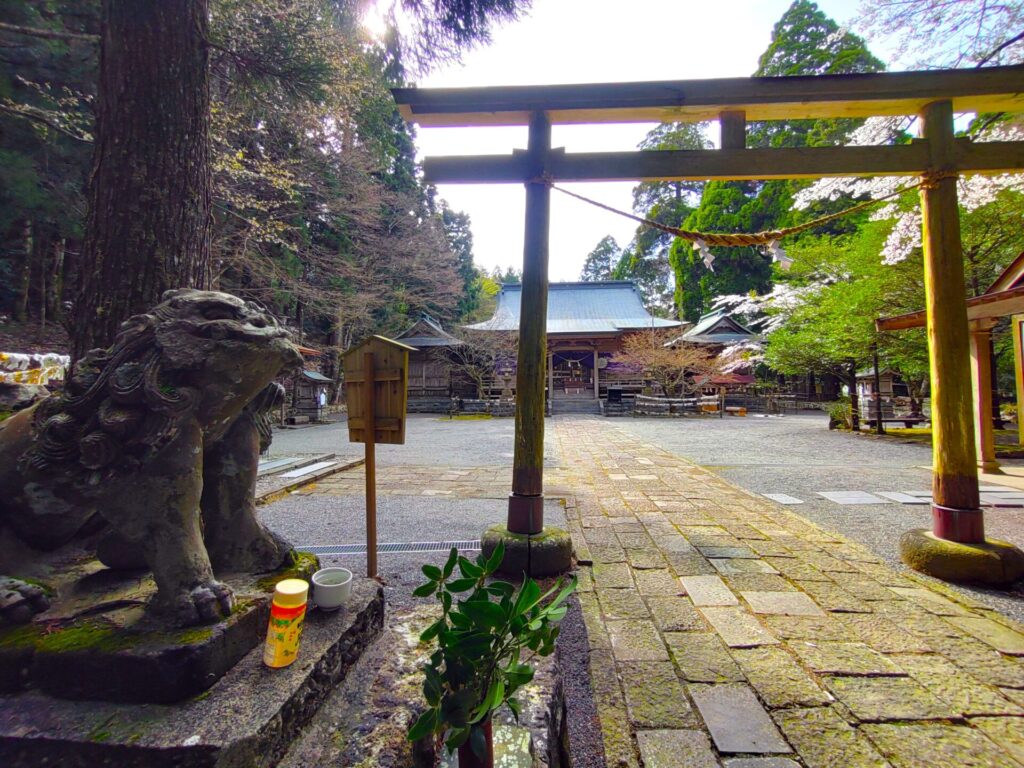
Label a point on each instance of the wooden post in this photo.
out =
(981, 373)
(526, 502)
(597, 381)
(1018, 372)
(955, 507)
(732, 126)
(369, 432)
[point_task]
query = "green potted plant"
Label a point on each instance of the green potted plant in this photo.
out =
(485, 628)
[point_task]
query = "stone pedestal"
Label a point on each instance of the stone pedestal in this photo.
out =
(991, 562)
(547, 553)
(250, 717)
(97, 641)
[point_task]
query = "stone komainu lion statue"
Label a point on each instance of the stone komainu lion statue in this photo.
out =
(156, 440)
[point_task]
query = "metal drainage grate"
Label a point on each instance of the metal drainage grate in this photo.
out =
(397, 548)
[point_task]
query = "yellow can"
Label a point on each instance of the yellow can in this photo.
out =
(287, 612)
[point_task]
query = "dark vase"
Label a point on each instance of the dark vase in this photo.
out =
(469, 759)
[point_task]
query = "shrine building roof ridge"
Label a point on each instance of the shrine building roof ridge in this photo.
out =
(600, 307)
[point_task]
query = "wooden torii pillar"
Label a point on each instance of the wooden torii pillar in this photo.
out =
(938, 157)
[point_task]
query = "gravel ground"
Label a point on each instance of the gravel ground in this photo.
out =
(430, 440)
(799, 456)
(583, 726)
(320, 519)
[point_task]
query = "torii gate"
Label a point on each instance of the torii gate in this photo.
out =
(938, 157)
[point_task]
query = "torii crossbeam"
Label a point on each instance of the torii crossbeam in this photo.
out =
(933, 96)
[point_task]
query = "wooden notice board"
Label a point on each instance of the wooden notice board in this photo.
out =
(389, 374)
(376, 373)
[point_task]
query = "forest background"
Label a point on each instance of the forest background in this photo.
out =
(319, 211)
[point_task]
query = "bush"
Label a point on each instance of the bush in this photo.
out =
(481, 639)
(840, 414)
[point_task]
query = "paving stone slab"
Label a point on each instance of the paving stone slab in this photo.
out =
(999, 636)
(607, 554)
(875, 699)
(1006, 732)
(636, 640)
(825, 563)
(725, 706)
(739, 565)
(702, 658)
(778, 679)
(758, 582)
(645, 558)
(737, 628)
(689, 564)
(770, 548)
(832, 597)
(824, 740)
(782, 603)
(616, 733)
(927, 745)
(634, 539)
(708, 590)
(881, 634)
(657, 582)
(783, 498)
(675, 748)
(807, 627)
(847, 498)
(760, 762)
(951, 684)
(796, 569)
(673, 614)
(864, 589)
(655, 697)
(622, 604)
(828, 658)
(904, 498)
(597, 633)
(612, 576)
(981, 660)
(728, 552)
(931, 601)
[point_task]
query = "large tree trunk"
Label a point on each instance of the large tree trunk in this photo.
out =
(149, 197)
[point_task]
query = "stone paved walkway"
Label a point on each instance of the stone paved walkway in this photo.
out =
(727, 630)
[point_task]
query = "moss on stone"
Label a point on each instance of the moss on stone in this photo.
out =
(993, 562)
(21, 636)
(84, 636)
(301, 565)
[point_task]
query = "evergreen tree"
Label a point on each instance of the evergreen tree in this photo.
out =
(646, 259)
(804, 42)
(807, 42)
(598, 265)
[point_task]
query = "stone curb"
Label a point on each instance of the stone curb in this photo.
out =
(279, 493)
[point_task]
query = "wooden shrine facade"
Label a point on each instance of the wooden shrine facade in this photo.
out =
(585, 325)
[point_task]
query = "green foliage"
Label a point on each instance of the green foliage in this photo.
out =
(804, 42)
(646, 259)
(807, 42)
(840, 413)
(724, 207)
(599, 262)
(485, 627)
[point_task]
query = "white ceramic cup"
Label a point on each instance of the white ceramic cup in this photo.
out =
(331, 587)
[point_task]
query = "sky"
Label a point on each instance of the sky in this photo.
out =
(588, 41)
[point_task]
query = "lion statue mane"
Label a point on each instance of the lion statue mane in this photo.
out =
(155, 440)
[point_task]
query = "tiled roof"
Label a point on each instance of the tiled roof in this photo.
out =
(718, 327)
(431, 334)
(601, 307)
